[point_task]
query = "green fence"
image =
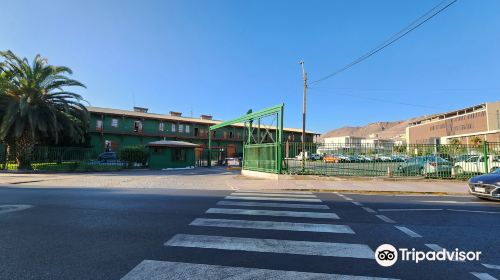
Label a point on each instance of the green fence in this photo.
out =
(261, 157)
(65, 159)
(385, 159)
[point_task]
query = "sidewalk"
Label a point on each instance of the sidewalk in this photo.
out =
(221, 179)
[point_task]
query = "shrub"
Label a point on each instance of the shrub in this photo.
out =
(134, 154)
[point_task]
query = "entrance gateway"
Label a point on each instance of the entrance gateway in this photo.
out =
(263, 139)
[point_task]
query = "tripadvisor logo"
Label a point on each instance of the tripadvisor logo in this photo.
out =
(387, 255)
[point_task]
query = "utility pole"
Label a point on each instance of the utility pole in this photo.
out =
(304, 76)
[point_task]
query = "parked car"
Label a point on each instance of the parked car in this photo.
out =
(316, 157)
(486, 186)
(331, 158)
(425, 165)
(475, 164)
(107, 158)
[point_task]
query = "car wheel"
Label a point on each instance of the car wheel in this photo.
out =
(422, 171)
(459, 170)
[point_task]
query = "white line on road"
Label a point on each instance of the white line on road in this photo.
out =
(483, 276)
(415, 209)
(473, 211)
(251, 212)
(272, 204)
(274, 198)
(369, 210)
(271, 191)
(385, 219)
(272, 225)
(164, 270)
(326, 249)
(357, 203)
(492, 266)
(434, 247)
(456, 202)
(13, 208)
(273, 195)
(408, 231)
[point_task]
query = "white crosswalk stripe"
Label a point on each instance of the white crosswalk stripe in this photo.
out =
(274, 195)
(274, 198)
(483, 276)
(163, 270)
(316, 215)
(272, 204)
(271, 191)
(327, 249)
(310, 227)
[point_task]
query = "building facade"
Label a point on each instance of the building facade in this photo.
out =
(481, 121)
(113, 129)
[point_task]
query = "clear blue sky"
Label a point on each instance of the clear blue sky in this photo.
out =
(224, 57)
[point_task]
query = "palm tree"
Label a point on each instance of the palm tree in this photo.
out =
(34, 104)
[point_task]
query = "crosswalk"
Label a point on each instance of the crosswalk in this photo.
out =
(259, 210)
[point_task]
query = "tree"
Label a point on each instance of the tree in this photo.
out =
(35, 105)
(475, 140)
(455, 141)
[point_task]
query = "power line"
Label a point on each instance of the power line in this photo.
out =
(403, 32)
(388, 102)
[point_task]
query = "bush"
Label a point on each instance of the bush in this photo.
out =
(134, 154)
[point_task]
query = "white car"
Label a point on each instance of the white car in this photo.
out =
(475, 164)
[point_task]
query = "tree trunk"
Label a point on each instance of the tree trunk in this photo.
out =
(24, 150)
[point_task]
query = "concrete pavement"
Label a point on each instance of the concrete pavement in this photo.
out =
(221, 179)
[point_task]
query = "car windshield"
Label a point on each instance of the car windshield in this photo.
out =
(497, 171)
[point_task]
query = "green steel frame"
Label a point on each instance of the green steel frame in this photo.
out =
(249, 118)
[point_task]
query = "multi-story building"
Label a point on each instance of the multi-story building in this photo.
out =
(112, 129)
(481, 121)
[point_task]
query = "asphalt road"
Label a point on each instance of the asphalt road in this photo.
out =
(194, 234)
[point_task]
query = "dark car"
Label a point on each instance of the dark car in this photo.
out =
(486, 186)
(107, 156)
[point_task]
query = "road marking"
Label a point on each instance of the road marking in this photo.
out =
(164, 270)
(274, 198)
(251, 212)
(473, 211)
(457, 202)
(273, 204)
(408, 231)
(326, 249)
(367, 209)
(271, 191)
(272, 225)
(483, 276)
(416, 209)
(385, 219)
(13, 208)
(434, 247)
(492, 266)
(275, 194)
(344, 197)
(357, 203)
(275, 191)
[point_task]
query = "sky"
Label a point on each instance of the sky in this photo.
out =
(223, 57)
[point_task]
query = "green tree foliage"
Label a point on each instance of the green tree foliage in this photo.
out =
(134, 154)
(35, 105)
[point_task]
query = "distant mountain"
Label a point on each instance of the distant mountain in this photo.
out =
(384, 130)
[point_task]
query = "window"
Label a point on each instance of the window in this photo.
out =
(181, 128)
(188, 128)
(196, 131)
(225, 134)
(98, 124)
(214, 134)
(114, 122)
(178, 154)
(161, 126)
(173, 127)
(231, 135)
(137, 126)
(157, 150)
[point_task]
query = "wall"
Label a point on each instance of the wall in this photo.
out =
(163, 158)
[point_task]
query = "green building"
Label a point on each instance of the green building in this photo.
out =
(171, 154)
(113, 129)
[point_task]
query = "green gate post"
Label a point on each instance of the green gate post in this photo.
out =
(485, 154)
(209, 163)
(280, 142)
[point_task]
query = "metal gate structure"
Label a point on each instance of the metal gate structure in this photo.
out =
(263, 139)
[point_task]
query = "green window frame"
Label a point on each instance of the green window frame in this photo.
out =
(178, 154)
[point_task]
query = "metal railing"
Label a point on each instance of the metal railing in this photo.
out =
(64, 159)
(431, 161)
